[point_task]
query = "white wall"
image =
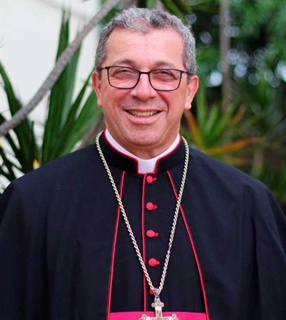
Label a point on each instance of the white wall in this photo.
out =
(29, 32)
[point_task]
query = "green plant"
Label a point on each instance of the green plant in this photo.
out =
(67, 121)
(219, 132)
(267, 103)
(60, 65)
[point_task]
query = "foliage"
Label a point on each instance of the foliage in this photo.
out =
(253, 126)
(253, 141)
(111, 13)
(258, 68)
(268, 104)
(256, 35)
(219, 133)
(177, 7)
(67, 121)
(24, 148)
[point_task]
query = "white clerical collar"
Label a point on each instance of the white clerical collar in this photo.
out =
(144, 166)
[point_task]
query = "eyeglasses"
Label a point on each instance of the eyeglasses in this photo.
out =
(160, 79)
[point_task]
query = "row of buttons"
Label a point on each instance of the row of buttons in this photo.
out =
(150, 233)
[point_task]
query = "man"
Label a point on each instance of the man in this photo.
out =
(69, 249)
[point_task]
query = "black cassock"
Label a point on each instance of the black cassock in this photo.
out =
(65, 252)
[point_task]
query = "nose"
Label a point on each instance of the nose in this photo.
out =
(143, 91)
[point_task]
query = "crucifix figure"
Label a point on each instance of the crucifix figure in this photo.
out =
(158, 305)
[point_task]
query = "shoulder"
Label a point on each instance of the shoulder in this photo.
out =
(230, 188)
(218, 174)
(64, 170)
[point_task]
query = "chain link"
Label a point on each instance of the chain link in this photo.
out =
(128, 226)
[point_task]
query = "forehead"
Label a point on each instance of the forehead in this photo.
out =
(162, 47)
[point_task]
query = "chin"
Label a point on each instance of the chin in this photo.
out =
(145, 142)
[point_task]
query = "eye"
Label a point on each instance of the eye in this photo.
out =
(122, 72)
(165, 74)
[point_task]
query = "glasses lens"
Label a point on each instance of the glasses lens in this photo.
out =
(165, 79)
(123, 77)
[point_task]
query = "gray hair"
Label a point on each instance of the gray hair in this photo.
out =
(144, 20)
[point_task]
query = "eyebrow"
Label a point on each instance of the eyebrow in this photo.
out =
(123, 61)
(165, 64)
(132, 63)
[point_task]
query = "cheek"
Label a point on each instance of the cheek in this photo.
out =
(112, 101)
(176, 104)
(113, 94)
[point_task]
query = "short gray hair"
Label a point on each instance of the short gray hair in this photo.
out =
(144, 20)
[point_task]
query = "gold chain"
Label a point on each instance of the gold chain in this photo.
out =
(128, 226)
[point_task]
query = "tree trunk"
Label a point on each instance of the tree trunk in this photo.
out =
(127, 4)
(224, 48)
(159, 5)
(58, 69)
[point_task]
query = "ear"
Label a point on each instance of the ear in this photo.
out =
(96, 83)
(193, 86)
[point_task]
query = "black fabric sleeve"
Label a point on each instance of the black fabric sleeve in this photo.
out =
(22, 258)
(269, 280)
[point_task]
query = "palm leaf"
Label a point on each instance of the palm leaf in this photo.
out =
(11, 142)
(57, 98)
(236, 130)
(201, 106)
(194, 129)
(69, 123)
(232, 146)
(87, 116)
(238, 116)
(223, 122)
(172, 8)
(71, 77)
(10, 175)
(150, 4)
(211, 120)
(24, 132)
(236, 161)
(182, 6)
(60, 97)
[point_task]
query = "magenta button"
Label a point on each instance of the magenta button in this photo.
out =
(151, 234)
(153, 262)
(150, 206)
(150, 179)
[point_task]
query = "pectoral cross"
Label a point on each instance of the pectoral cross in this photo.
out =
(158, 305)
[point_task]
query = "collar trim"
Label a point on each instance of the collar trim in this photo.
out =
(143, 165)
(118, 159)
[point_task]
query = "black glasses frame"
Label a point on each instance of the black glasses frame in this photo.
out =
(149, 77)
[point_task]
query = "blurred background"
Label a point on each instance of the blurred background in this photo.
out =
(239, 114)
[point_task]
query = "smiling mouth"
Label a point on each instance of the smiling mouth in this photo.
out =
(142, 114)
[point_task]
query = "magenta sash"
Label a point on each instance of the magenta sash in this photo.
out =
(137, 315)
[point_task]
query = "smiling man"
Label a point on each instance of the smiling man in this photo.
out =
(144, 116)
(139, 225)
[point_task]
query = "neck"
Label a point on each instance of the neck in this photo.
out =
(144, 165)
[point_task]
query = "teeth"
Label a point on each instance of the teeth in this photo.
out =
(143, 113)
